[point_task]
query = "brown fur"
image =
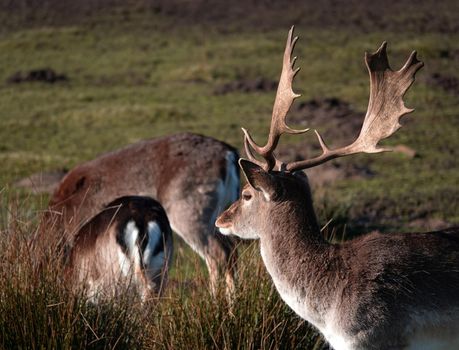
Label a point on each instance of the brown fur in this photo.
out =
(181, 171)
(375, 288)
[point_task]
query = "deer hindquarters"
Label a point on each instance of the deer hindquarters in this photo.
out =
(128, 245)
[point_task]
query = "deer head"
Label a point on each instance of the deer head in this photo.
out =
(274, 189)
(267, 196)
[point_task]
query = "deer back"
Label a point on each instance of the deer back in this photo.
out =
(167, 169)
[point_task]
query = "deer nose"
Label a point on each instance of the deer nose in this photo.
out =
(224, 224)
(219, 222)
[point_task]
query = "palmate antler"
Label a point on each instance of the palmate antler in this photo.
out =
(385, 108)
(284, 99)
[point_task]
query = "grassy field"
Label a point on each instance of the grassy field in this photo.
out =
(138, 71)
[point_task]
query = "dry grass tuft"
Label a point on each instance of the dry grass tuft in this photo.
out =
(40, 309)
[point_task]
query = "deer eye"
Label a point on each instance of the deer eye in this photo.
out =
(246, 196)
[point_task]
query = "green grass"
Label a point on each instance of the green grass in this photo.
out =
(132, 83)
(151, 76)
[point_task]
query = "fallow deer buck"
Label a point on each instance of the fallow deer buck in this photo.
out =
(193, 177)
(127, 246)
(394, 291)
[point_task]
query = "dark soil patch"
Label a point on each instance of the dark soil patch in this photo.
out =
(341, 125)
(326, 173)
(358, 15)
(448, 54)
(45, 75)
(246, 85)
(365, 222)
(373, 213)
(43, 182)
(391, 16)
(381, 214)
(337, 121)
(334, 171)
(446, 82)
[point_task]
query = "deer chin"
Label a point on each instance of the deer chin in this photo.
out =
(248, 233)
(226, 231)
(229, 230)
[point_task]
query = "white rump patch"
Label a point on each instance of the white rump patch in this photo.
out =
(131, 233)
(154, 236)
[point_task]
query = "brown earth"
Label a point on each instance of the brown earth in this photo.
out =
(45, 75)
(258, 84)
(337, 121)
(339, 124)
(364, 217)
(402, 15)
(447, 83)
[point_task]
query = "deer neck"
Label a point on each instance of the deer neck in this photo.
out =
(297, 257)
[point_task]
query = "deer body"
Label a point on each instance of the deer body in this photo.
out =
(366, 304)
(362, 300)
(194, 177)
(374, 292)
(127, 245)
(394, 291)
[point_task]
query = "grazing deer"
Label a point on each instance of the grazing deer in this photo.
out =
(127, 245)
(394, 291)
(194, 177)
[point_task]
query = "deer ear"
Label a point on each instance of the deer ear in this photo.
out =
(258, 178)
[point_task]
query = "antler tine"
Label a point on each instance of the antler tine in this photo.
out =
(284, 99)
(385, 108)
(248, 150)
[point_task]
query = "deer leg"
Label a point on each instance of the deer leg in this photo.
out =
(198, 231)
(221, 257)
